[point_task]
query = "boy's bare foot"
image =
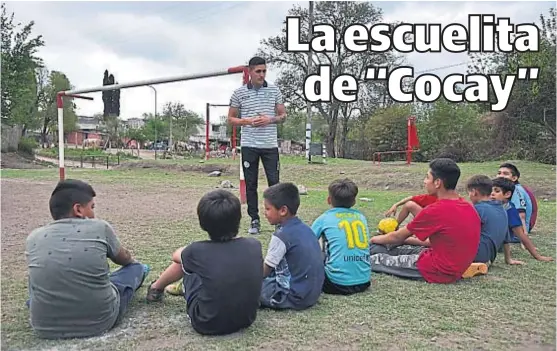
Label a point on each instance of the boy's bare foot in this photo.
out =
(474, 270)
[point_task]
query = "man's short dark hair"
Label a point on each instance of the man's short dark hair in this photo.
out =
(220, 213)
(481, 183)
(283, 194)
(504, 184)
(514, 170)
(343, 193)
(68, 193)
(447, 170)
(256, 61)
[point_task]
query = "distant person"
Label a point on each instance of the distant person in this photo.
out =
(344, 232)
(221, 276)
(72, 292)
(293, 267)
(257, 107)
(448, 229)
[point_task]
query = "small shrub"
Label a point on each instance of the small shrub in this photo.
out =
(27, 145)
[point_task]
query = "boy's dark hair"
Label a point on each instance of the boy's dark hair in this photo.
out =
(514, 170)
(256, 61)
(343, 193)
(481, 183)
(68, 193)
(283, 194)
(220, 213)
(447, 170)
(504, 184)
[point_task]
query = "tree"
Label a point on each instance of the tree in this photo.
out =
(19, 63)
(47, 106)
(293, 66)
(184, 122)
(111, 98)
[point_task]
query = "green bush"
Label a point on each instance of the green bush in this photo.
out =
(27, 145)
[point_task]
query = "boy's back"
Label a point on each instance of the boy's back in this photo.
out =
(302, 263)
(521, 200)
(225, 298)
(67, 259)
(494, 229)
(346, 235)
(453, 228)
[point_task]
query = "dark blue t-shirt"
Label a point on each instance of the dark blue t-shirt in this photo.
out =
(494, 232)
(295, 255)
(513, 221)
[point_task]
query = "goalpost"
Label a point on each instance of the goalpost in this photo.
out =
(76, 94)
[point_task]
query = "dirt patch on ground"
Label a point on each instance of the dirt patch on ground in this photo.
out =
(130, 208)
(201, 167)
(12, 160)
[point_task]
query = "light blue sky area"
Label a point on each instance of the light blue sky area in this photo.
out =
(142, 40)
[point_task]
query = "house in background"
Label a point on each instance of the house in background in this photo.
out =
(134, 123)
(87, 128)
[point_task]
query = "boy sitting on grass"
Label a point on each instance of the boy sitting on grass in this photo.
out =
(411, 205)
(494, 227)
(503, 190)
(450, 226)
(344, 231)
(72, 292)
(221, 276)
(293, 266)
(520, 199)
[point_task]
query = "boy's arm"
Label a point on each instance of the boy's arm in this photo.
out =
(508, 258)
(521, 234)
(522, 215)
(116, 252)
(417, 242)
(394, 238)
(275, 253)
(392, 210)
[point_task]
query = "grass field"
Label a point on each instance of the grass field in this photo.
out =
(153, 211)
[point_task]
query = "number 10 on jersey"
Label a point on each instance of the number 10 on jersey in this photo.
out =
(356, 234)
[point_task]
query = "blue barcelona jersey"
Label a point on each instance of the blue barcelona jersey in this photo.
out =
(521, 201)
(346, 236)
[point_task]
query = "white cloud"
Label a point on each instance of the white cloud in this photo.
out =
(148, 40)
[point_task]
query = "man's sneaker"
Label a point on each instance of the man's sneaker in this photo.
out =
(254, 227)
(154, 295)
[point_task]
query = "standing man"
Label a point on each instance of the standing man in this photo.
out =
(257, 107)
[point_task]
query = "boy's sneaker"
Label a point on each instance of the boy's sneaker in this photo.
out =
(474, 270)
(154, 295)
(146, 270)
(254, 227)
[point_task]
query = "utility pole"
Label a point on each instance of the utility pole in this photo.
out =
(310, 61)
(155, 145)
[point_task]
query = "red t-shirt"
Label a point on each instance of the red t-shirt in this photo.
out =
(453, 228)
(424, 200)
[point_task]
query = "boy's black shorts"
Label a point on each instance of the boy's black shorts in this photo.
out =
(331, 288)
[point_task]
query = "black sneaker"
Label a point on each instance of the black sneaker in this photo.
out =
(254, 227)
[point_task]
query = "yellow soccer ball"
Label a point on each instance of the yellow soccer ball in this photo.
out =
(387, 225)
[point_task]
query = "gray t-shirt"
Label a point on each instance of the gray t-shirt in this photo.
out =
(251, 102)
(71, 294)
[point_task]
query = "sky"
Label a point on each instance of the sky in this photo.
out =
(145, 40)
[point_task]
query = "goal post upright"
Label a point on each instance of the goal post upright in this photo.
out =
(75, 93)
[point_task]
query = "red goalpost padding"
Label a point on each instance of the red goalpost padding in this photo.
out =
(76, 93)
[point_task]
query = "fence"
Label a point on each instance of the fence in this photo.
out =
(94, 161)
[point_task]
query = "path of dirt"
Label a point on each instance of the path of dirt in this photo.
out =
(14, 160)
